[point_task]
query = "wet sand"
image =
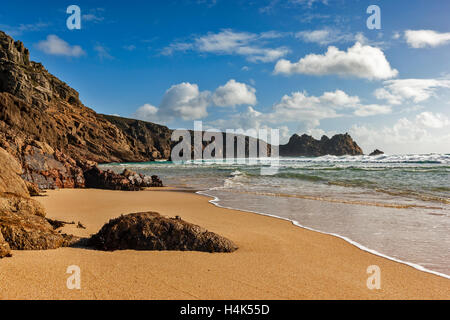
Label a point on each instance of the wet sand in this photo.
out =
(275, 260)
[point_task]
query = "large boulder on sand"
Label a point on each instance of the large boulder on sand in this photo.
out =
(151, 231)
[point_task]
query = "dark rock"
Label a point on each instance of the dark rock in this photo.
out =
(376, 153)
(56, 224)
(5, 250)
(33, 189)
(127, 181)
(151, 231)
(307, 146)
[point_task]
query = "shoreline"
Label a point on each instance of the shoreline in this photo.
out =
(350, 241)
(275, 260)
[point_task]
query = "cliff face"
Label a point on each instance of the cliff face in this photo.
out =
(307, 146)
(148, 141)
(54, 136)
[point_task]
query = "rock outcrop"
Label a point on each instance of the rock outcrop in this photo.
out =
(126, 181)
(376, 152)
(22, 222)
(307, 146)
(5, 250)
(151, 231)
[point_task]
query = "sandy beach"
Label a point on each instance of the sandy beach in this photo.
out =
(275, 260)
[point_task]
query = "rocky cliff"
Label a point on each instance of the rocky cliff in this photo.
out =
(307, 146)
(44, 125)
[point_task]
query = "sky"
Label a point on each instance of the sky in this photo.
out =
(300, 66)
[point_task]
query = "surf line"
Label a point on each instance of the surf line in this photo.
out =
(215, 201)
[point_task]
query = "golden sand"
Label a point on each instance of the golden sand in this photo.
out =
(275, 260)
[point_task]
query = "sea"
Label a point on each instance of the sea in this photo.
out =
(395, 206)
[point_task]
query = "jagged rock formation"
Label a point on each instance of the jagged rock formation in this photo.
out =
(127, 181)
(151, 231)
(307, 146)
(22, 222)
(376, 152)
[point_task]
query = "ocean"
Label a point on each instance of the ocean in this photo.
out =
(397, 206)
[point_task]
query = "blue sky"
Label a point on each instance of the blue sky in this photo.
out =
(297, 65)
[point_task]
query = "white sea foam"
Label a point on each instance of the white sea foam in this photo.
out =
(216, 201)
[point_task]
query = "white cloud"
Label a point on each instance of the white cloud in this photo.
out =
(308, 3)
(301, 108)
(184, 101)
(383, 94)
(372, 110)
(56, 46)
(177, 46)
(422, 134)
(426, 38)
(92, 17)
(324, 36)
(22, 28)
(130, 47)
(360, 61)
(95, 15)
(432, 120)
(417, 90)
(340, 98)
(234, 93)
(250, 45)
(146, 112)
(103, 52)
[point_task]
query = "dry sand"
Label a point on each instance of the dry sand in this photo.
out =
(276, 259)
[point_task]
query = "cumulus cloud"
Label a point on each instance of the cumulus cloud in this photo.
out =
(426, 38)
(416, 90)
(432, 120)
(250, 45)
(362, 61)
(302, 109)
(423, 134)
(56, 46)
(340, 98)
(186, 101)
(234, 93)
(146, 112)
